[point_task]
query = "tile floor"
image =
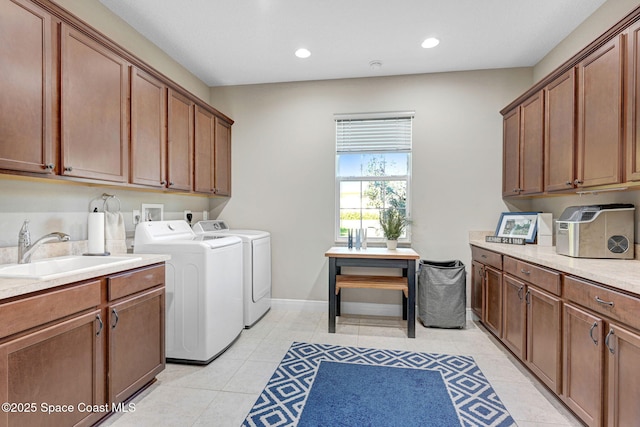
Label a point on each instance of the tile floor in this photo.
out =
(222, 393)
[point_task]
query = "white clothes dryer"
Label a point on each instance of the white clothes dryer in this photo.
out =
(256, 258)
(203, 289)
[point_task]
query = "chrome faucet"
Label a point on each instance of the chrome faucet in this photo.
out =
(26, 249)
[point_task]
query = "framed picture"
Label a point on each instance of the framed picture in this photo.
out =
(518, 224)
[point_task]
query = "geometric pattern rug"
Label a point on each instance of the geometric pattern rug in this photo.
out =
(283, 399)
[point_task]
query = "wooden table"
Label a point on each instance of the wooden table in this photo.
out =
(404, 258)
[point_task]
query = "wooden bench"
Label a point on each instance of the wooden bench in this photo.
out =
(393, 283)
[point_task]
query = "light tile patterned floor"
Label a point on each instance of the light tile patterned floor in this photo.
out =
(222, 393)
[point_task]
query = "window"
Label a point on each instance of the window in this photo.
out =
(373, 170)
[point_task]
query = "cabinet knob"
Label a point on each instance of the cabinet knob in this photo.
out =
(68, 168)
(170, 183)
(163, 182)
(569, 183)
(515, 190)
(49, 166)
(577, 182)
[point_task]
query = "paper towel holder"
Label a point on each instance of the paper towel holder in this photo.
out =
(105, 203)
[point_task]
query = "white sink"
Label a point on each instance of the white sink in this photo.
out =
(52, 268)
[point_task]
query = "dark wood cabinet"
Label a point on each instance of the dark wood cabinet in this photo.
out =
(632, 98)
(560, 141)
(583, 364)
(531, 150)
(544, 337)
(94, 97)
(514, 316)
(222, 158)
(600, 115)
(492, 316)
(204, 181)
(511, 153)
(148, 130)
(180, 141)
(623, 376)
(136, 343)
(27, 87)
(477, 291)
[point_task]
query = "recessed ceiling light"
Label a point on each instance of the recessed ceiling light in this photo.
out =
(430, 42)
(303, 53)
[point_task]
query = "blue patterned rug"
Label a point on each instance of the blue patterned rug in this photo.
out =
(304, 390)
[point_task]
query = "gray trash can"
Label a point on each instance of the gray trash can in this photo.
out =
(442, 294)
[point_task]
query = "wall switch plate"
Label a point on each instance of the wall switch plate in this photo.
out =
(188, 216)
(136, 216)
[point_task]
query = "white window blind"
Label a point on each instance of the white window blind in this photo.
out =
(380, 133)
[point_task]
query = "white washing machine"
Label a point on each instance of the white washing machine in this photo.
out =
(256, 265)
(203, 289)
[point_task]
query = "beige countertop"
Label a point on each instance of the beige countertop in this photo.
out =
(16, 287)
(618, 274)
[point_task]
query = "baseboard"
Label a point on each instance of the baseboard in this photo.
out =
(357, 308)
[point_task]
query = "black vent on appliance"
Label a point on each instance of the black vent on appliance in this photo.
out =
(587, 215)
(618, 244)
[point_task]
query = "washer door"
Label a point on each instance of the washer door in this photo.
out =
(261, 271)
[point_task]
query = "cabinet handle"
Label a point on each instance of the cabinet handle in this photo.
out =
(100, 324)
(483, 256)
(163, 182)
(520, 292)
(595, 325)
(569, 183)
(114, 313)
(578, 182)
(515, 190)
(527, 297)
(606, 341)
(49, 166)
(170, 183)
(523, 271)
(603, 302)
(68, 168)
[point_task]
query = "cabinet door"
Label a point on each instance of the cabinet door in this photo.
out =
(477, 280)
(600, 115)
(204, 151)
(148, 134)
(136, 343)
(531, 145)
(511, 153)
(631, 101)
(94, 96)
(493, 301)
(26, 85)
(583, 364)
(180, 143)
(544, 337)
(559, 159)
(623, 369)
(514, 315)
(222, 158)
(58, 365)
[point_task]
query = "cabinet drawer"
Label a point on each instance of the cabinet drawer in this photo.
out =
(133, 281)
(543, 278)
(486, 257)
(26, 313)
(617, 306)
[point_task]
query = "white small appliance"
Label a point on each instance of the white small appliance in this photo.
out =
(256, 257)
(203, 289)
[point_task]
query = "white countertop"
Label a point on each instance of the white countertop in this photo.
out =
(16, 287)
(615, 273)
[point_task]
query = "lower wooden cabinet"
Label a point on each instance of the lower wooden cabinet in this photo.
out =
(583, 364)
(477, 292)
(514, 316)
(68, 355)
(623, 373)
(492, 316)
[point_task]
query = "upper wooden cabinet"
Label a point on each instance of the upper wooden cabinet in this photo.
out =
(222, 158)
(204, 151)
(180, 141)
(632, 98)
(94, 95)
(148, 130)
(27, 82)
(600, 115)
(560, 125)
(523, 148)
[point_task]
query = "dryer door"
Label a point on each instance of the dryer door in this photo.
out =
(261, 272)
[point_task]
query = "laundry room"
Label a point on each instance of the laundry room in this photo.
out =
(222, 203)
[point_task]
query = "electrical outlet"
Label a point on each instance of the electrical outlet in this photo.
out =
(188, 216)
(205, 215)
(136, 216)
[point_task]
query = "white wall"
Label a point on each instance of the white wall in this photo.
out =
(284, 163)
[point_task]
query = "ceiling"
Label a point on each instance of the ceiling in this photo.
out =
(237, 42)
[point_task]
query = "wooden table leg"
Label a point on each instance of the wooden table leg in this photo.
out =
(411, 303)
(332, 295)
